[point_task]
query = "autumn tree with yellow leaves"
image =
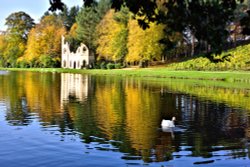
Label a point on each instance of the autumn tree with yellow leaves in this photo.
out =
(44, 42)
(112, 35)
(120, 38)
(144, 45)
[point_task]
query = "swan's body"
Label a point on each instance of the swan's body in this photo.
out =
(168, 123)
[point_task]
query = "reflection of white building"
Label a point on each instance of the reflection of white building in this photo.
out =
(75, 86)
(80, 59)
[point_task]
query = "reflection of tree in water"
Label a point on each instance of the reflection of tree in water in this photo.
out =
(164, 147)
(12, 91)
(66, 123)
(208, 124)
(129, 111)
(18, 112)
(211, 124)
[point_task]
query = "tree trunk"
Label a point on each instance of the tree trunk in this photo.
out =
(192, 45)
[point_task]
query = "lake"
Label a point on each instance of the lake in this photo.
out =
(62, 119)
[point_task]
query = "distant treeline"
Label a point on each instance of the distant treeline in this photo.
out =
(123, 36)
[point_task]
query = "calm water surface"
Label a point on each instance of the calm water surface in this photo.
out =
(50, 119)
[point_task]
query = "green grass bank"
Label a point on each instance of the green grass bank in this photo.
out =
(230, 76)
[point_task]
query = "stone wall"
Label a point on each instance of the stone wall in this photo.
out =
(80, 59)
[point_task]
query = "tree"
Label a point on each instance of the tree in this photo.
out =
(207, 20)
(15, 49)
(144, 45)
(121, 39)
(19, 24)
(44, 43)
(3, 46)
(235, 27)
(245, 19)
(71, 37)
(112, 36)
(87, 20)
(68, 17)
(103, 7)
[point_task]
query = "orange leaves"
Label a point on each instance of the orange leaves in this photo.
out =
(107, 31)
(45, 38)
(118, 41)
(144, 44)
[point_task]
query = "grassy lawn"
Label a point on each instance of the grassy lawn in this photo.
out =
(230, 76)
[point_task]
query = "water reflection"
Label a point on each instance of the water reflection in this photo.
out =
(124, 114)
(74, 86)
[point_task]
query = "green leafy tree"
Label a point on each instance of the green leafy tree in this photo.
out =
(19, 25)
(3, 46)
(102, 7)
(87, 20)
(68, 16)
(207, 21)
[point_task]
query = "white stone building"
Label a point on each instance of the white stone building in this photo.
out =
(80, 59)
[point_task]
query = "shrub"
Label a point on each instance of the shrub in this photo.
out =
(103, 65)
(96, 66)
(23, 64)
(110, 66)
(46, 61)
(33, 63)
(118, 66)
(1, 62)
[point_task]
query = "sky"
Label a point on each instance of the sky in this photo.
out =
(34, 8)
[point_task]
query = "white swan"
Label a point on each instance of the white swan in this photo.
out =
(168, 123)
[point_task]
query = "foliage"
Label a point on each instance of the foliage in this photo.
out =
(23, 64)
(144, 45)
(112, 38)
(110, 66)
(68, 16)
(48, 61)
(234, 59)
(14, 48)
(14, 41)
(19, 24)
(105, 34)
(120, 40)
(71, 37)
(45, 39)
(3, 45)
(87, 20)
(103, 65)
(166, 29)
(206, 19)
(113, 66)
(118, 66)
(102, 7)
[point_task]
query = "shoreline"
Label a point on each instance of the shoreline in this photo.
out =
(229, 76)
